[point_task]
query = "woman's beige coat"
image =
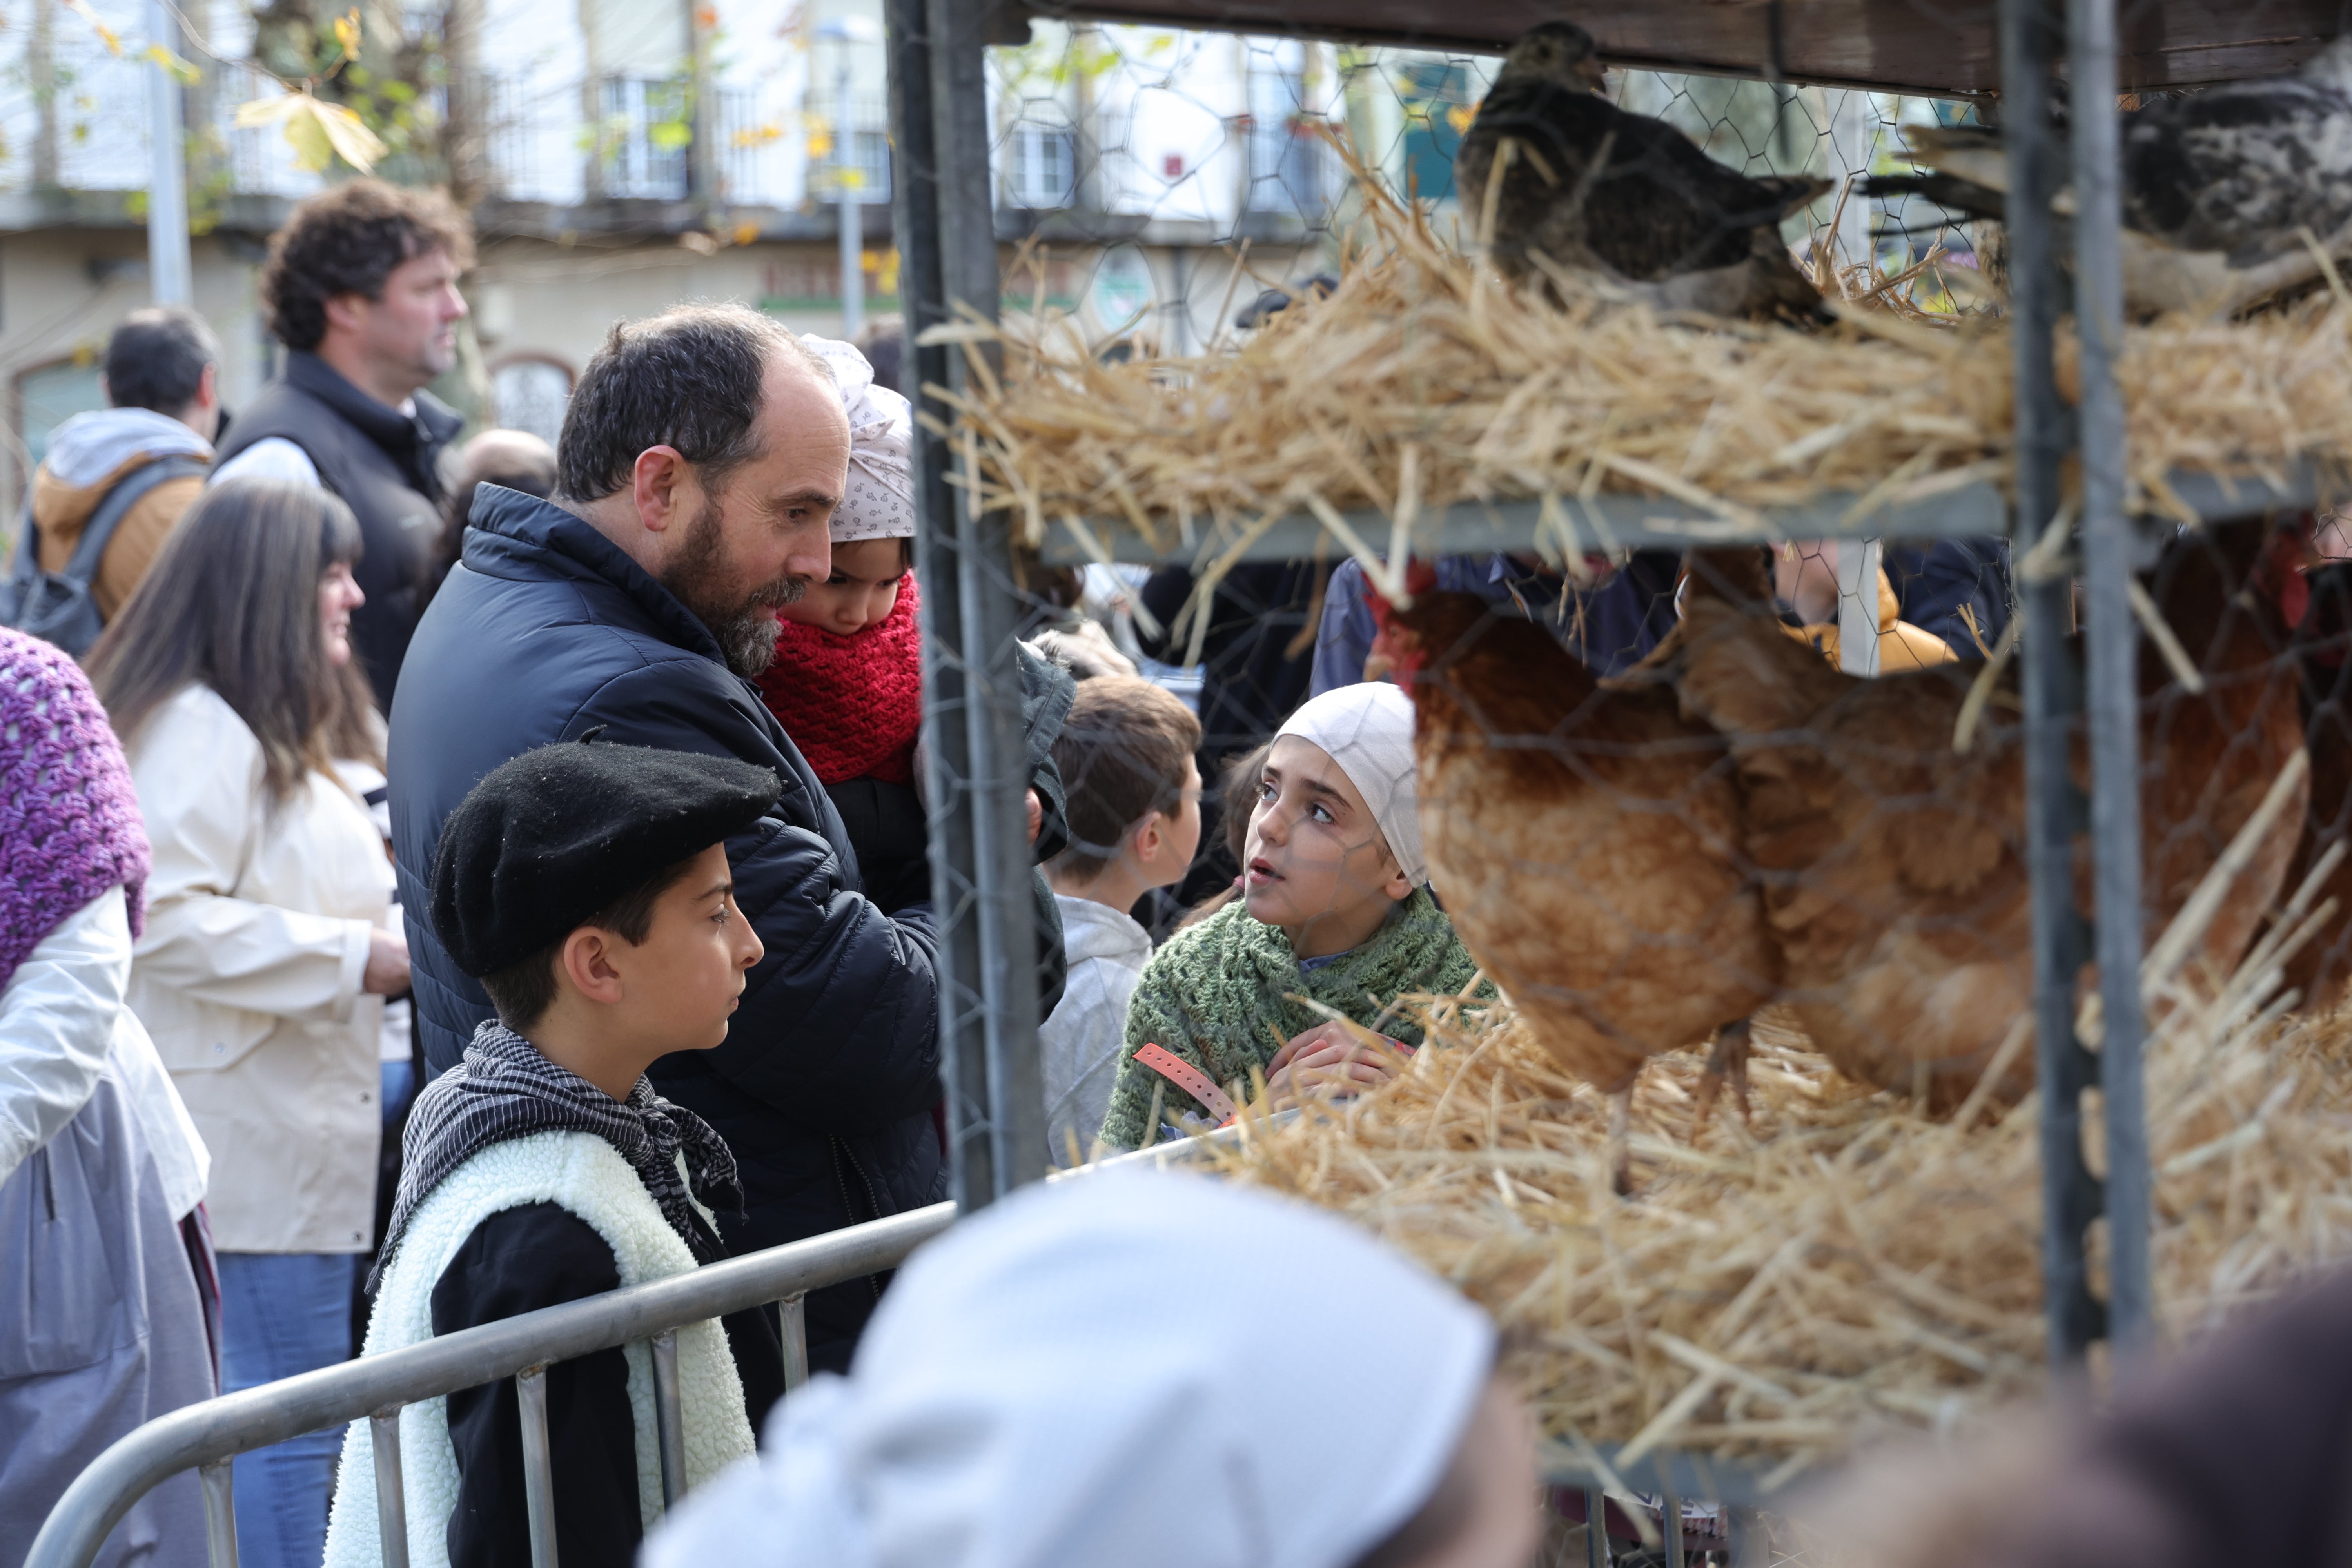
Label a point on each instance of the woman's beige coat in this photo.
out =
(249, 978)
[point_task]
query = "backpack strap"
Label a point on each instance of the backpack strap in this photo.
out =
(82, 567)
(1189, 1079)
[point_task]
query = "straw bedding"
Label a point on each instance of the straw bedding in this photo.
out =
(1777, 1293)
(1425, 381)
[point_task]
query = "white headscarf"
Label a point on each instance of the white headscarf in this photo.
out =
(1152, 1370)
(1367, 729)
(878, 501)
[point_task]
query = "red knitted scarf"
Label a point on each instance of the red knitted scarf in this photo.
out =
(852, 704)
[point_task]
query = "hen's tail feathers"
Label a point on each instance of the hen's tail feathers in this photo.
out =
(1741, 577)
(1734, 666)
(1970, 152)
(1949, 192)
(1793, 193)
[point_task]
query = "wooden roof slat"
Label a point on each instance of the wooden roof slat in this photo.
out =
(1943, 47)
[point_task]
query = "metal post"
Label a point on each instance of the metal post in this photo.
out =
(2054, 809)
(1746, 1537)
(852, 234)
(391, 1496)
(1857, 581)
(2112, 634)
(220, 1513)
(947, 745)
(669, 1425)
(168, 268)
(971, 720)
(538, 1471)
(1675, 1549)
(992, 616)
(1596, 1528)
(795, 1324)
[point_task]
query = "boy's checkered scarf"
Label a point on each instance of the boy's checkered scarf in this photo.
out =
(504, 1089)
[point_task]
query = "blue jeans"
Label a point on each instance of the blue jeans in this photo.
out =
(399, 1089)
(283, 1313)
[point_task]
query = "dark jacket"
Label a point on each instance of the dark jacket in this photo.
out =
(1610, 627)
(825, 1085)
(386, 466)
(1958, 589)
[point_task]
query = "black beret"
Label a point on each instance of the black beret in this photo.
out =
(549, 840)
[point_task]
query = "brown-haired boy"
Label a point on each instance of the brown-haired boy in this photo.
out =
(1125, 759)
(587, 886)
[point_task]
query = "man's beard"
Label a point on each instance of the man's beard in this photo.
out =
(704, 580)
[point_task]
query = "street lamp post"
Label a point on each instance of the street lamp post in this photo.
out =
(168, 269)
(843, 32)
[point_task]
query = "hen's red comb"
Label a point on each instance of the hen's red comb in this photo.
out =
(1420, 577)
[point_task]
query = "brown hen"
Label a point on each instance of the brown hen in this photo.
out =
(1895, 888)
(1583, 835)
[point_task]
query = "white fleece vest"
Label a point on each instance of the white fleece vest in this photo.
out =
(587, 1177)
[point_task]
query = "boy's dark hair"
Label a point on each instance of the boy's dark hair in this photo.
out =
(523, 991)
(1122, 756)
(1236, 799)
(156, 359)
(693, 377)
(347, 240)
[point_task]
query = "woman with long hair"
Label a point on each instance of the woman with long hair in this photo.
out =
(266, 956)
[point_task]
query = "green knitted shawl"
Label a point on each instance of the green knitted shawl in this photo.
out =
(1213, 994)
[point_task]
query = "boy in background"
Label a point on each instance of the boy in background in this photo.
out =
(587, 886)
(1126, 760)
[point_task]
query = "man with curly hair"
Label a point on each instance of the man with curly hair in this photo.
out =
(360, 286)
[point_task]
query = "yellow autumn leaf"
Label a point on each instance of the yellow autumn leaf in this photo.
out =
(187, 73)
(317, 130)
(347, 33)
(359, 146)
(311, 148)
(1460, 116)
(746, 232)
(266, 110)
(112, 40)
(820, 143)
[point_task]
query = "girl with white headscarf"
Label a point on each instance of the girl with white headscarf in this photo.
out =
(998, 1415)
(1335, 908)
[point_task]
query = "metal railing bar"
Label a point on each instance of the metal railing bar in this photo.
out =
(792, 1326)
(199, 1434)
(669, 1417)
(220, 1516)
(390, 1499)
(257, 1417)
(1673, 1531)
(538, 1467)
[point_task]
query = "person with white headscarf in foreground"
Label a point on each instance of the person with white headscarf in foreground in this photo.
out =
(1335, 909)
(997, 1414)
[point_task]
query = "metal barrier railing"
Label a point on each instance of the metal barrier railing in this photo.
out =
(205, 1437)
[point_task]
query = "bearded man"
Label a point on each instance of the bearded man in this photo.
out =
(697, 470)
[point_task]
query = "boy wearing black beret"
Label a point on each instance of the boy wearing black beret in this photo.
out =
(586, 886)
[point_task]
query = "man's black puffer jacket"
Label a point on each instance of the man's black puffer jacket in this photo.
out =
(825, 1085)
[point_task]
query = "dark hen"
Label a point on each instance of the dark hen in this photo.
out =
(1624, 201)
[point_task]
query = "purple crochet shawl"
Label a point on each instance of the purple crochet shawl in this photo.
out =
(69, 825)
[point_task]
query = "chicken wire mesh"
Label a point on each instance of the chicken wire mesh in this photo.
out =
(1164, 192)
(1677, 800)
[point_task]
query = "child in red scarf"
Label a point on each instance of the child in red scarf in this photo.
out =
(847, 680)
